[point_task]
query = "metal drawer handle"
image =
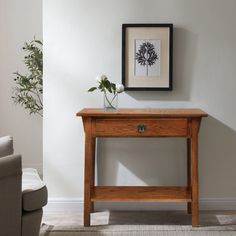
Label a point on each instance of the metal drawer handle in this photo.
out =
(141, 128)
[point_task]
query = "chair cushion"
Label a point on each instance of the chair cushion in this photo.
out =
(34, 191)
(6, 146)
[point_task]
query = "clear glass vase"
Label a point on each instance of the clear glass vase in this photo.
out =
(110, 101)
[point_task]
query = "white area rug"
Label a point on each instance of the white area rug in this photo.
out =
(139, 223)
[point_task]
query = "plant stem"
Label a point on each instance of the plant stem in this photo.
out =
(114, 97)
(110, 103)
(38, 96)
(40, 101)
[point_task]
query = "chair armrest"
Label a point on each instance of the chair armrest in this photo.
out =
(34, 190)
(10, 166)
(6, 146)
(10, 195)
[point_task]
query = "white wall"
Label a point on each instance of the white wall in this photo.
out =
(20, 21)
(83, 38)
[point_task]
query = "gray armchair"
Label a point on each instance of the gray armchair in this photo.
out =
(22, 194)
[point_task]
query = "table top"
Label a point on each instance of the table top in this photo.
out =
(145, 112)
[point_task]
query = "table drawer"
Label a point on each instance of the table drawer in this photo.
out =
(141, 127)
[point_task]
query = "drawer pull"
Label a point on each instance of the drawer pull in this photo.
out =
(141, 128)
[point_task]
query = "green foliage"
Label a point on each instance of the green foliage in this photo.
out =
(92, 89)
(29, 88)
(104, 86)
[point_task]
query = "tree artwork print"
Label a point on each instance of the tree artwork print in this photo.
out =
(147, 58)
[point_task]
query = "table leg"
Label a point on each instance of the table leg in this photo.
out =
(189, 182)
(88, 172)
(194, 165)
(93, 170)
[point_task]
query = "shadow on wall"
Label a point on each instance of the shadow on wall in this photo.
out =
(141, 161)
(162, 161)
(217, 159)
(184, 53)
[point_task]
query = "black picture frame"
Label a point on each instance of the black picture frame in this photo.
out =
(126, 58)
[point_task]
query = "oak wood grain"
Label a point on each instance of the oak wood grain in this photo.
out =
(155, 123)
(194, 171)
(141, 194)
(189, 182)
(89, 152)
(152, 127)
(150, 113)
(93, 144)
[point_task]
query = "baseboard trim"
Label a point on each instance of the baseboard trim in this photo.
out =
(75, 205)
(64, 205)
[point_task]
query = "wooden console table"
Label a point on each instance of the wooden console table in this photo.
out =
(141, 123)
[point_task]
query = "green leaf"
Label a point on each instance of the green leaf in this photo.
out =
(113, 87)
(92, 89)
(38, 41)
(107, 84)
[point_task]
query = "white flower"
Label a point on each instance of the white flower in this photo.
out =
(100, 78)
(119, 88)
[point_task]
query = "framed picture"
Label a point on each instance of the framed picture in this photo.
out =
(147, 56)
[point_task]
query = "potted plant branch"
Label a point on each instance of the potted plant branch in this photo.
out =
(29, 87)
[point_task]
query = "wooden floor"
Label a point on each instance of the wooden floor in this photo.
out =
(207, 218)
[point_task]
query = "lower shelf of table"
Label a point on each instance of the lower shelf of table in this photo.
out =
(141, 194)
